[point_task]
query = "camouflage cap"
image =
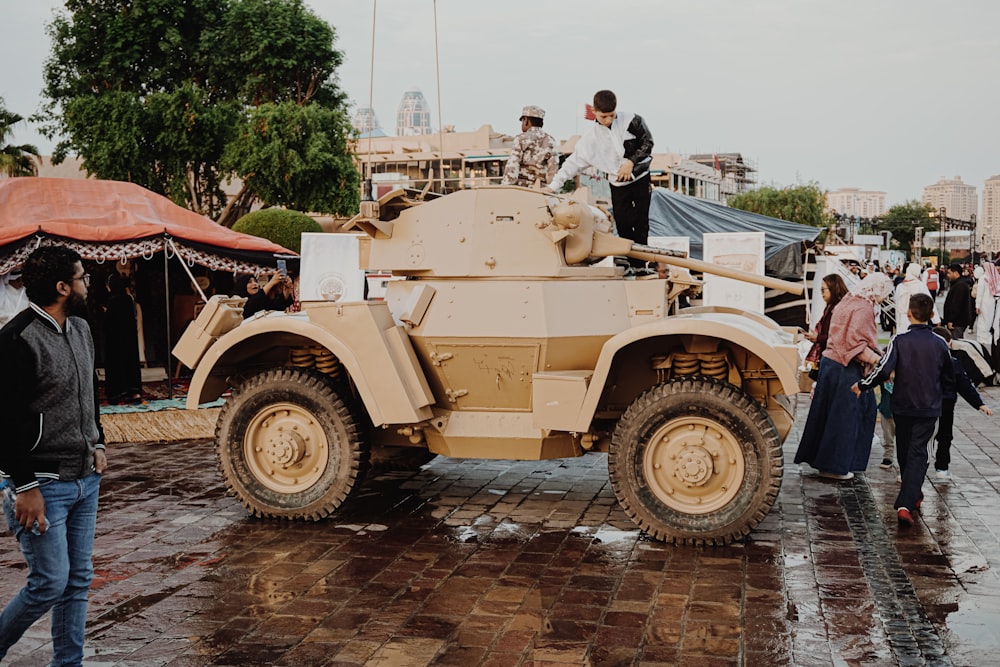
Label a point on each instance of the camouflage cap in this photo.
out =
(531, 111)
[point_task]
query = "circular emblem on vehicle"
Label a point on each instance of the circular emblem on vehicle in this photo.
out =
(331, 287)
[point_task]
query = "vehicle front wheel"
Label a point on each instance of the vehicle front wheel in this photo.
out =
(288, 446)
(696, 461)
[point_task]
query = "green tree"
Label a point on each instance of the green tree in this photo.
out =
(297, 157)
(903, 219)
(15, 160)
(153, 92)
(275, 51)
(803, 204)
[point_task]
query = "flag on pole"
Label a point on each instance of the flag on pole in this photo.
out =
(588, 112)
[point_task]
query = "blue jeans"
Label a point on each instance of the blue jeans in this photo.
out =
(59, 567)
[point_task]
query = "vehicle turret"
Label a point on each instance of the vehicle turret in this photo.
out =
(507, 232)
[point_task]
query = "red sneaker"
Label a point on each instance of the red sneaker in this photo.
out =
(904, 517)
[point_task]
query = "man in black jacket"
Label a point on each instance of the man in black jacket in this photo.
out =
(958, 304)
(52, 451)
(967, 390)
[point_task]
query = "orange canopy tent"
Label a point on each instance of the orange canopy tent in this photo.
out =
(112, 220)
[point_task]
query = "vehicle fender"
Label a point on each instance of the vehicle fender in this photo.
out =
(402, 395)
(758, 335)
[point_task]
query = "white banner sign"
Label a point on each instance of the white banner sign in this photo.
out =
(736, 250)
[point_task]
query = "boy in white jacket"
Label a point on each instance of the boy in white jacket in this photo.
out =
(620, 145)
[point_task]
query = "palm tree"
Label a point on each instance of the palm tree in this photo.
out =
(15, 160)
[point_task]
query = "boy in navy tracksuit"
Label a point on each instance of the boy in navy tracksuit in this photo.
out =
(965, 389)
(924, 372)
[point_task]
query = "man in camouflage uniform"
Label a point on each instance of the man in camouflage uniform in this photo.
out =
(533, 157)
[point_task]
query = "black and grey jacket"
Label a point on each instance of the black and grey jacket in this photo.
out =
(639, 147)
(48, 399)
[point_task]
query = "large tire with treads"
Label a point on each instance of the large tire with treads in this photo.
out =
(696, 461)
(288, 446)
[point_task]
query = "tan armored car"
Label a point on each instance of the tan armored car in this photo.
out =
(507, 340)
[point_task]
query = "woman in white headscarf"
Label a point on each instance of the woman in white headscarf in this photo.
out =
(837, 437)
(987, 292)
(912, 284)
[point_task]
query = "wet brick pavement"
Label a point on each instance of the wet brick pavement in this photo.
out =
(532, 563)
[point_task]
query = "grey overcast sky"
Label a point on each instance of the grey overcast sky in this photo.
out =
(878, 94)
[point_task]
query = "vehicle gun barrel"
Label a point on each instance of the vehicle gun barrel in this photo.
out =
(656, 255)
(606, 245)
(588, 235)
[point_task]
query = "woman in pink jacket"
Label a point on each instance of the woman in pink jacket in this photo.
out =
(837, 438)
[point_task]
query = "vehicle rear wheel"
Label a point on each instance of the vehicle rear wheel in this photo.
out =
(288, 446)
(696, 461)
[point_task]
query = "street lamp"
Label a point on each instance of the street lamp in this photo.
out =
(972, 235)
(941, 230)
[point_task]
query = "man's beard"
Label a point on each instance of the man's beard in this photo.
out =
(76, 305)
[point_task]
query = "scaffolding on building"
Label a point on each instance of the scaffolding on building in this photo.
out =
(738, 173)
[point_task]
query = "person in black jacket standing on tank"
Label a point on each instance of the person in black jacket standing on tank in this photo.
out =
(620, 145)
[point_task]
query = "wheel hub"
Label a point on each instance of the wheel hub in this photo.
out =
(286, 448)
(694, 465)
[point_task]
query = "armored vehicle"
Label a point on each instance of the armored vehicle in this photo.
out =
(507, 339)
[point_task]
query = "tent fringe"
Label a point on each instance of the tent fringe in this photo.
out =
(163, 426)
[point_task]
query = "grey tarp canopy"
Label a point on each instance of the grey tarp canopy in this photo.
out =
(673, 214)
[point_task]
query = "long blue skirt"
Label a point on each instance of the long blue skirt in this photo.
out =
(838, 433)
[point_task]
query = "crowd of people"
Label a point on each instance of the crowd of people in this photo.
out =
(918, 374)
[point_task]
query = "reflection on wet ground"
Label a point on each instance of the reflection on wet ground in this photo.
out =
(533, 563)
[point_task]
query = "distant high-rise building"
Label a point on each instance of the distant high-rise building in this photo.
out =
(413, 116)
(365, 121)
(958, 199)
(988, 224)
(857, 202)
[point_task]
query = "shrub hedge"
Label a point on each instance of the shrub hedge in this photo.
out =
(278, 225)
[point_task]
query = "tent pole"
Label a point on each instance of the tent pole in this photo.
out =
(166, 297)
(194, 283)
